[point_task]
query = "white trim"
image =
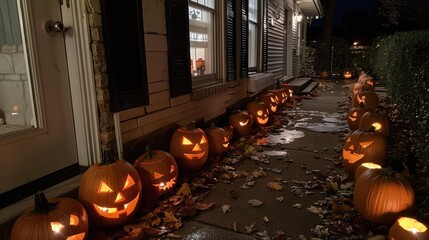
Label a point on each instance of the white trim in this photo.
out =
(82, 83)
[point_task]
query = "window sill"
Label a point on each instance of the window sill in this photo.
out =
(208, 89)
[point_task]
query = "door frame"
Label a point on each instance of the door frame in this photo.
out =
(82, 83)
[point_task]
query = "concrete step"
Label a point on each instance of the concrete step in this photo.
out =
(310, 87)
(299, 84)
(286, 79)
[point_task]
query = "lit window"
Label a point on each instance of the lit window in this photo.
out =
(253, 34)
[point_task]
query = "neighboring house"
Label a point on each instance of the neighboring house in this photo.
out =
(185, 61)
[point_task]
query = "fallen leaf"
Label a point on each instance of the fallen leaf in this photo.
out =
(298, 205)
(281, 198)
(275, 186)
(225, 208)
(255, 202)
(315, 210)
(184, 190)
(171, 235)
(265, 218)
(204, 206)
(250, 228)
(233, 194)
(156, 222)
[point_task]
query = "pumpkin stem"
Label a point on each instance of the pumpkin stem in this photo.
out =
(107, 157)
(41, 203)
(149, 152)
(371, 129)
(361, 105)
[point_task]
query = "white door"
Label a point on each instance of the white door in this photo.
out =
(35, 104)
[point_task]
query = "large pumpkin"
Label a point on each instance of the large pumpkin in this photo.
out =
(354, 116)
(406, 228)
(270, 100)
(218, 140)
(110, 191)
(259, 112)
(364, 146)
(382, 195)
(57, 218)
(190, 147)
(368, 98)
(379, 121)
(241, 122)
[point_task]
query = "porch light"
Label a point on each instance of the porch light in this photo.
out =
(298, 18)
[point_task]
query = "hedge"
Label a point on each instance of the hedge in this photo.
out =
(401, 61)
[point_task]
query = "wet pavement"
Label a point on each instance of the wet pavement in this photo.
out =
(280, 203)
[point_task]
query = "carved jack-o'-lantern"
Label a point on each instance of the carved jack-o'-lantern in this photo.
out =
(406, 228)
(347, 74)
(355, 115)
(280, 96)
(241, 122)
(289, 91)
(364, 146)
(110, 191)
(369, 99)
(190, 147)
(270, 100)
(379, 121)
(218, 140)
(57, 218)
(259, 112)
(157, 169)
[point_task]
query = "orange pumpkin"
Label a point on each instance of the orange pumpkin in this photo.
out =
(110, 191)
(259, 112)
(280, 95)
(364, 146)
(57, 218)
(189, 145)
(270, 100)
(218, 140)
(369, 99)
(241, 122)
(347, 74)
(289, 91)
(383, 195)
(406, 228)
(354, 116)
(379, 121)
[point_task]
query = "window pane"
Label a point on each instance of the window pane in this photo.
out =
(253, 46)
(253, 10)
(207, 3)
(201, 41)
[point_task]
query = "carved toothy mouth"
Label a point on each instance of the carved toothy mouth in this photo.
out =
(194, 155)
(165, 186)
(273, 108)
(225, 145)
(262, 120)
(79, 236)
(114, 212)
(352, 157)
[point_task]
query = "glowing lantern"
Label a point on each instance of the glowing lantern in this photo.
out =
(369, 99)
(364, 146)
(280, 96)
(57, 218)
(289, 91)
(110, 191)
(379, 121)
(382, 195)
(218, 141)
(347, 74)
(406, 228)
(190, 147)
(259, 112)
(355, 115)
(241, 122)
(365, 166)
(270, 100)
(157, 170)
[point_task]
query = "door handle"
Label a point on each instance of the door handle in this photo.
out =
(55, 27)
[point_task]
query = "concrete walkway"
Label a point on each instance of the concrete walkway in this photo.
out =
(294, 158)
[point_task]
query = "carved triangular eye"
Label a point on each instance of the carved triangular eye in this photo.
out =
(365, 144)
(203, 140)
(186, 141)
(74, 220)
(172, 169)
(157, 175)
(103, 188)
(129, 182)
(260, 113)
(225, 139)
(348, 140)
(56, 226)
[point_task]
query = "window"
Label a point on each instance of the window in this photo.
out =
(202, 17)
(253, 34)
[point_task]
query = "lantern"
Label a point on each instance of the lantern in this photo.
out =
(259, 112)
(406, 228)
(365, 166)
(241, 122)
(280, 96)
(364, 146)
(218, 140)
(57, 218)
(110, 191)
(369, 99)
(190, 147)
(157, 169)
(324, 75)
(270, 100)
(354, 116)
(289, 90)
(382, 195)
(347, 74)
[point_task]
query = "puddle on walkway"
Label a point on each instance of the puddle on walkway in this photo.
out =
(321, 127)
(330, 122)
(285, 137)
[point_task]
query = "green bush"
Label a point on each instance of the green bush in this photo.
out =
(401, 61)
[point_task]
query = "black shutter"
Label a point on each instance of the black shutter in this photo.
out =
(123, 36)
(179, 69)
(244, 38)
(230, 40)
(265, 37)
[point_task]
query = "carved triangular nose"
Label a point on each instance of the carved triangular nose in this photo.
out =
(119, 198)
(196, 148)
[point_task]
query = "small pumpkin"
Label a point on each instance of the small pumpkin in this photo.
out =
(289, 91)
(383, 195)
(259, 112)
(189, 145)
(368, 98)
(354, 116)
(56, 218)
(378, 120)
(270, 100)
(280, 95)
(218, 140)
(406, 228)
(364, 146)
(365, 166)
(110, 191)
(347, 74)
(241, 122)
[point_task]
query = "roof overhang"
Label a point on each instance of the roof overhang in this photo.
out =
(311, 8)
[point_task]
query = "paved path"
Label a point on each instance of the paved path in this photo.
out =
(295, 156)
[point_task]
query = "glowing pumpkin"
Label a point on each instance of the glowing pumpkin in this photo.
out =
(110, 191)
(406, 228)
(280, 96)
(369, 99)
(289, 91)
(365, 166)
(259, 112)
(270, 100)
(218, 140)
(57, 218)
(355, 115)
(364, 146)
(241, 122)
(383, 195)
(190, 147)
(379, 121)
(347, 74)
